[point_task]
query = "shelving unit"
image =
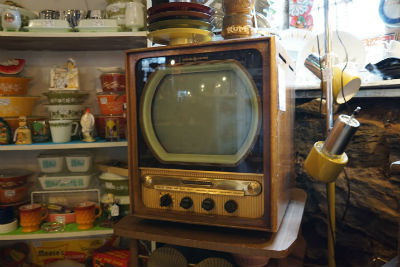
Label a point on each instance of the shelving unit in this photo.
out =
(42, 50)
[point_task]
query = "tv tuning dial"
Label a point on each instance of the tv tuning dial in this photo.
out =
(186, 203)
(208, 204)
(231, 206)
(165, 200)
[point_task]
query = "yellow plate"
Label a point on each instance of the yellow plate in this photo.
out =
(174, 36)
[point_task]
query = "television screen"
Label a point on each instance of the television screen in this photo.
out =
(201, 113)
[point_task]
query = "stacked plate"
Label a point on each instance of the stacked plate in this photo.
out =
(180, 23)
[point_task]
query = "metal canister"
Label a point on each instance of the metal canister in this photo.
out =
(343, 129)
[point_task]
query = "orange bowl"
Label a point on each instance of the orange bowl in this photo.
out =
(14, 106)
(13, 86)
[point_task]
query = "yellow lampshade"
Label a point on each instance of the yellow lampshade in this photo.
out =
(321, 167)
(351, 85)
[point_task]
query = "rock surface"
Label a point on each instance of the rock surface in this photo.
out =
(367, 219)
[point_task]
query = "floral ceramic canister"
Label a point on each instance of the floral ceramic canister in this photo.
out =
(300, 14)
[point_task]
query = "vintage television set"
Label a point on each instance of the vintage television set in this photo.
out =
(211, 133)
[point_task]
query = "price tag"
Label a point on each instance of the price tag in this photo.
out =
(103, 100)
(114, 210)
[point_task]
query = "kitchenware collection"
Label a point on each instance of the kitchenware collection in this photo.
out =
(122, 15)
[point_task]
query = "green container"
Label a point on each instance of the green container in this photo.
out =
(114, 183)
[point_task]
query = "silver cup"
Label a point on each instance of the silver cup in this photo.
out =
(73, 16)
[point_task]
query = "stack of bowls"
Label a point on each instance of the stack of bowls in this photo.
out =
(112, 103)
(66, 105)
(14, 101)
(179, 23)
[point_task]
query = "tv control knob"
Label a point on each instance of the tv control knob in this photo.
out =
(208, 204)
(186, 203)
(230, 206)
(165, 200)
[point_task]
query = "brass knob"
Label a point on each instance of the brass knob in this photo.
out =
(254, 188)
(147, 181)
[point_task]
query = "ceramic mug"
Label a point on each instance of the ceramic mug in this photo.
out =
(85, 214)
(62, 130)
(30, 217)
(11, 19)
(134, 15)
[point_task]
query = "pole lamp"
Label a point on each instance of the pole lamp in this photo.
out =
(327, 158)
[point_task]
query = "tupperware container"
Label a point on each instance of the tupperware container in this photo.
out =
(51, 163)
(114, 183)
(79, 162)
(65, 181)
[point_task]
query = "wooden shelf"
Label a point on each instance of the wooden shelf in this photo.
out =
(70, 145)
(72, 41)
(71, 231)
(274, 245)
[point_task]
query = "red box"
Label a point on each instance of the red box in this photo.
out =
(117, 258)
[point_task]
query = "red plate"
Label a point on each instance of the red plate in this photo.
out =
(184, 14)
(176, 6)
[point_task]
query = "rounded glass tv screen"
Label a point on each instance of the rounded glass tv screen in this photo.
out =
(201, 113)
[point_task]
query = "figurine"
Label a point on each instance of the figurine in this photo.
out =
(87, 123)
(66, 77)
(22, 135)
(5, 132)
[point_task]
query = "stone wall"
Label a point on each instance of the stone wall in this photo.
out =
(367, 235)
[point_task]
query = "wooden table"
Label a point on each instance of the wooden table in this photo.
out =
(274, 245)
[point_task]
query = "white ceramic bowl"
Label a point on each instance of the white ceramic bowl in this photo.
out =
(51, 163)
(65, 112)
(79, 162)
(65, 181)
(9, 227)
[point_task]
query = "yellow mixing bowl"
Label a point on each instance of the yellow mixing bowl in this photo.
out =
(11, 106)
